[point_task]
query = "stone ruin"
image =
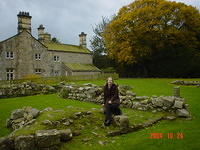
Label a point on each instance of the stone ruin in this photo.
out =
(22, 117)
(52, 139)
(128, 99)
(187, 83)
(25, 89)
(93, 93)
(41, 139)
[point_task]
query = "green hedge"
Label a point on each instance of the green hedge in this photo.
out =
(55, 80)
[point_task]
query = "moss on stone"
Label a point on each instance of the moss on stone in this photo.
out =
(66, 48)
(81, 67)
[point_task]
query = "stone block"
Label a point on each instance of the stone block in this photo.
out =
(178, 104)
(121, 121)
(182, 113)
(47, 138)
(25, 142)
(18, 113)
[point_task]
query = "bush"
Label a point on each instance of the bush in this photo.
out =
(31, 76)
(109, 70)
(64, 93)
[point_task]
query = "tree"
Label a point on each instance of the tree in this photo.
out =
(146, 32)
(55, 40)
(100, 58)
(97, 41)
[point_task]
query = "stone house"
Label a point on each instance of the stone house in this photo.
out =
(23, 55)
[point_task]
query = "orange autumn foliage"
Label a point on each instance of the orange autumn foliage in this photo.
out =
(148, 26)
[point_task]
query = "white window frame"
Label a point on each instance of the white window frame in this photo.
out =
(38, 71)
(37, 56)
(56, 58)
(56, 73)
(9, 55)
(10, 74)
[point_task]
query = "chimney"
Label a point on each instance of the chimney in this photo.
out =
(82, 37)
(47, 37)
(42, 35)
(24, 22)
(41, 29)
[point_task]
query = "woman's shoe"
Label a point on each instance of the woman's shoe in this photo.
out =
(107, 122)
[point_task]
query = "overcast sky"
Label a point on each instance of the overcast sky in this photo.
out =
(63, 19)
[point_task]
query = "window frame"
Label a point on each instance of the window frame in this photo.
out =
(38, 71)
(10, 74)
(37, 56)
(56, 58)
(9, 55)
(56, 72)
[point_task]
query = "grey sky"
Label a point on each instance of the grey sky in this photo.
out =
(63, 19)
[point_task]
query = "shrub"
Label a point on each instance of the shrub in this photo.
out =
(64, 93)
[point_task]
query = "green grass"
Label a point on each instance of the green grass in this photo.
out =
(39, 102)
(83, 67)
(66, 48)
(136, 140)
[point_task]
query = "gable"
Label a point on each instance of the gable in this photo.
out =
(19, 34)
(12, 37)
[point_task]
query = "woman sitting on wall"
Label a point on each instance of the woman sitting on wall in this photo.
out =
(111, 101)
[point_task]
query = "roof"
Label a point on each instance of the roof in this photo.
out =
(21, 33)
(56, 46)
(66, 48)
(81, 67)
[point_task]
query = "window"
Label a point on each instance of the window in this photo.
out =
(9, 55)
(38, 71)
(9, 74)
(37, 56)
(56, 58)
(56, 73)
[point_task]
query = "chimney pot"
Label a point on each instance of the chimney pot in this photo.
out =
(24, 21)
(82, 38)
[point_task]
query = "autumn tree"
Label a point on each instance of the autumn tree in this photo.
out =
(153, 32)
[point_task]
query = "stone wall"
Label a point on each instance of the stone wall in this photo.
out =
(22, 117)
(41, 140)
(70, 57)
(78, 73)
(24, 47)
(44, 139)
(25, 89)
(188, 83)
(128, 99)
(93, 93)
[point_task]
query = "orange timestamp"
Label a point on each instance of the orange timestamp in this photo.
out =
(178, 135)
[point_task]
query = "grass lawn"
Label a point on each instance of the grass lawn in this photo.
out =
(137, 140)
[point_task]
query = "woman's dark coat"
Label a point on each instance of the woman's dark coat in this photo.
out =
(111, 94)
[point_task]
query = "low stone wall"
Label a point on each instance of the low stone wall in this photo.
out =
(188, 83)
(53, 137)
(94, 93)
(25, 89)
(42, 140)
(22, 117)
